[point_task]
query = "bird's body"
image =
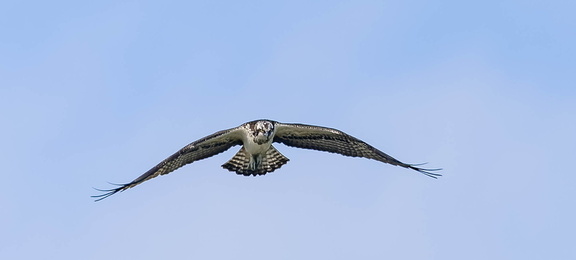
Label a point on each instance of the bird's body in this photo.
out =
(258, 156)
(257, 137)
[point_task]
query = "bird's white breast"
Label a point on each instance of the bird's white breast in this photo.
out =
(252, 147)
(255, 148)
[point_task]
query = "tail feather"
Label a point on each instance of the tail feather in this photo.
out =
(241, 160)
(273, 160)
(246, 164)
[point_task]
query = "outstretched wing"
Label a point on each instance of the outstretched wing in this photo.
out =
(335, 141)
(201, 149)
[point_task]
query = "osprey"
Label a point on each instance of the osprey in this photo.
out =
(257, 156)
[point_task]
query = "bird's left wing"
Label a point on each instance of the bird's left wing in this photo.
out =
(335, 141)
(200, 149)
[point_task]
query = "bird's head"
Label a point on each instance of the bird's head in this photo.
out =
(262, 131)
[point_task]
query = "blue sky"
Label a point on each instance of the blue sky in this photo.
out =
(100, 92)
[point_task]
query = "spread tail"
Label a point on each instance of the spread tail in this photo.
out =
(246, 164)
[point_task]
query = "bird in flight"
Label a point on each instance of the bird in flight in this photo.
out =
(257, 156)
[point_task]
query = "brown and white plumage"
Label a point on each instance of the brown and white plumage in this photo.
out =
(257, 155)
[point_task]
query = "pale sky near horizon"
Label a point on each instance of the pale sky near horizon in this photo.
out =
(100, 92)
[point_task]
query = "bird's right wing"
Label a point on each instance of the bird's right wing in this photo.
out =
(200, 149)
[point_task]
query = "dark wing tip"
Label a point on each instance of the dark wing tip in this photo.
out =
(110, 192)
(427, 172)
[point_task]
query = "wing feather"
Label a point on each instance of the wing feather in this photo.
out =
(335, 141)
(198, 150)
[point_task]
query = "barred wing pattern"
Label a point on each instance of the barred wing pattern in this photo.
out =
(198, 150)
(335, 141)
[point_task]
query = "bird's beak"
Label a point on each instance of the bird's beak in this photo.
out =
(263, 132)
